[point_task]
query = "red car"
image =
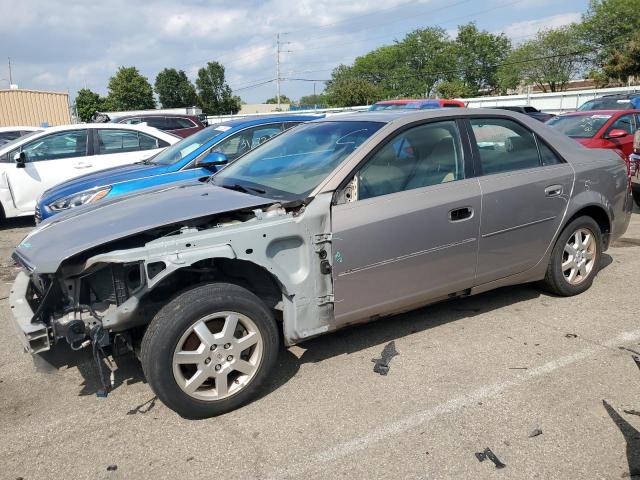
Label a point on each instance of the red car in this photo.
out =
(600, 128)
(180, 125)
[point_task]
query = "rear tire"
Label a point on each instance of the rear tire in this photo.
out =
(575, 259)
(208, 350)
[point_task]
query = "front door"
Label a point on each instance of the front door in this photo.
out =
(407, 230)
(525, 193)
(50, 160)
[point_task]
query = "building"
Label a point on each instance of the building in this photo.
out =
(33, 108)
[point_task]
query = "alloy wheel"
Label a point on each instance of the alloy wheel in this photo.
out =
(579, 256)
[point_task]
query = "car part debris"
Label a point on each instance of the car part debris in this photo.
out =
(112, 468)
(98, 335)
(382, 364)
(632, 412)
(535, 432)
(571, 335)
(487, 453)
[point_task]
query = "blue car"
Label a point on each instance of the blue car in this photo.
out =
(194, 157)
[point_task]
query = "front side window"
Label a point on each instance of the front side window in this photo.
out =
(422, 156)
(117, 141)
(625, 122)
(292, 164)
(240, 143)
(504, 145)
(184, 147)
(72, 143)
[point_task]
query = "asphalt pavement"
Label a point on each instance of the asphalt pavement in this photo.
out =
(547, 384)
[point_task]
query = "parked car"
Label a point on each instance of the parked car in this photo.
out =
(335, 222)
(417, 104)
(612, 102)
(634, 167)
(528, 110)
(188, 159)
(31, 164)
(611, 129)
(181, 125)
(7, 134)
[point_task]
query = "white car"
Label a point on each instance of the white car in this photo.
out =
(8, 134)
(31, 164)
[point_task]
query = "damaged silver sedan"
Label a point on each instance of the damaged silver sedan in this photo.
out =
(336, 222)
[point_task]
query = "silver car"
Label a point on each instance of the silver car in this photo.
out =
(338, 221)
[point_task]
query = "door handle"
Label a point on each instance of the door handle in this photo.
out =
(553, 191)
(460, 214)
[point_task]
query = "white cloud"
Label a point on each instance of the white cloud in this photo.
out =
(522, 31)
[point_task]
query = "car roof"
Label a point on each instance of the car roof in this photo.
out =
(138, 115)
(600, 112)
(248, 122)
(21, 128)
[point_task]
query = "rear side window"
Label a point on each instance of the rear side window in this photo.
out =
(504, 145)
(547, 155)
(147, 142)
(117, 141)
(155, 122)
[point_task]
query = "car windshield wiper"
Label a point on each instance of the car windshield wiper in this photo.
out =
(243, 189)
(146, 161)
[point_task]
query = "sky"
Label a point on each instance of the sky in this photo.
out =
(65, 45)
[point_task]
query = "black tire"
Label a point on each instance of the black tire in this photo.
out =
(180, 314)
(555, 280)
(636, 197)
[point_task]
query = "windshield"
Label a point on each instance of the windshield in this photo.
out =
(606, 103)
(579, 126)
(11, 143)
(180, 150)
(292, 164)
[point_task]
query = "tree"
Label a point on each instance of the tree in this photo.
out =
(626, 62)
(129, 90)
(174, 89)
(214, 95)
(347, 90)
(549, 61)
(608, 26)
(311, 100)
(478, 55)
(88, 103)
(283, 99)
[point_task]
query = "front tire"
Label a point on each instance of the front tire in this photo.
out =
(575, 259)
(209, 350)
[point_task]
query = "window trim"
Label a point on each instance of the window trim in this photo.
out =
(88, 148)
(476, 151)
(466, 153)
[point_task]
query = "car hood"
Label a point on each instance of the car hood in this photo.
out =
(80, 229)
(102, 178)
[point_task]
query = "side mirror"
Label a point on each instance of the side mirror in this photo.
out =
(212, 160)
(21, 160)
(617, 133)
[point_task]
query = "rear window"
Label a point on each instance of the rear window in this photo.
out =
(606, 103)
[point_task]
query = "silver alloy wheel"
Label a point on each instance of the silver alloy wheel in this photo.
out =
(579, 256)
(217, 356)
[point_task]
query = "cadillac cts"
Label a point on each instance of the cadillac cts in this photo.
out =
(335, 222)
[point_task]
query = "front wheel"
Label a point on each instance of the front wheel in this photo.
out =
(575, 259)
(208, 350)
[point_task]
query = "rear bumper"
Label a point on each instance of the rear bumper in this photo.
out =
(35, 337)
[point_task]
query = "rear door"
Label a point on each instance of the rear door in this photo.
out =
(50, 160)
(525, 187)
(115, 147)
(410, 232)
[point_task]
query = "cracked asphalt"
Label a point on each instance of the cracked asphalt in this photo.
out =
(482, 372)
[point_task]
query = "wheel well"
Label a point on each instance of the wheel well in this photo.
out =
(245, 274)
(600, 216)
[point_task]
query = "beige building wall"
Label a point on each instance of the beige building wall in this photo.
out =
(33, 107)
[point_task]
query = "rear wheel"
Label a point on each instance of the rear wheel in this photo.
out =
(208, 351)
(575, 259)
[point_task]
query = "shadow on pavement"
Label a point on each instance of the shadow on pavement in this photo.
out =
(631, 436)
(19, 222)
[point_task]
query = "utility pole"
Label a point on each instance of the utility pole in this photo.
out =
(10, 78)
(278, 52)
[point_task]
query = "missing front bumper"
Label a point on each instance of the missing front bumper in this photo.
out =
(35, 337)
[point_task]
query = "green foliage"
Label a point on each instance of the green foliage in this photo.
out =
(549, 61)
(274, 100)
(311, 100)
(455, 88)
(129, 90)
(88, 103)
(346, 89)
(174, 89)
(214, 95)
(625, 62)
